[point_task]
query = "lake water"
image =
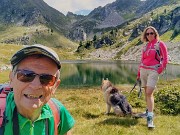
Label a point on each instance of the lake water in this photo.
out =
(76, 74)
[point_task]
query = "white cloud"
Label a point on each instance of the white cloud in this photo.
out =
(75, 5)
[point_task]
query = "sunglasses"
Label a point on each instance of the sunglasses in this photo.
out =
(151, 33)
(28, 76)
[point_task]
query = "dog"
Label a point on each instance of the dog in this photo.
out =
(115, 99)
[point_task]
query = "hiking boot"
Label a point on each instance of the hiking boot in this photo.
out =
(150, 122)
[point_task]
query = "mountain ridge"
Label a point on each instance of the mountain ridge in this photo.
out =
(116, 25)
(30, 12)
(118, 43)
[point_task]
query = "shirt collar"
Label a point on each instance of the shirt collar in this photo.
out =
(153, 41)
(45, 113)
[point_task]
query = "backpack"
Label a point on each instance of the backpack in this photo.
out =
(157, 47)
(4, 90)
(158, 56)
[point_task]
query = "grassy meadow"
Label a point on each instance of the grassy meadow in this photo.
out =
(87, 107)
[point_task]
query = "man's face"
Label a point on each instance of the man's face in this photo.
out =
(33, 95)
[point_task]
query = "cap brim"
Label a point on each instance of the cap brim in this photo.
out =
(32, 50)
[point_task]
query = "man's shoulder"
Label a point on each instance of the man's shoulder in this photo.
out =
(58, 104)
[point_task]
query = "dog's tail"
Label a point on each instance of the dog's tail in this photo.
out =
(125, 107)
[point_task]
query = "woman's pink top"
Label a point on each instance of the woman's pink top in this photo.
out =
(149, 55)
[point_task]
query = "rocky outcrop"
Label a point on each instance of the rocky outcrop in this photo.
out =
(162, 23)
(24, 40)
(78, 34)
(103, 41)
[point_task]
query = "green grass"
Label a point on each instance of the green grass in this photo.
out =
(168, 37)
(4, 76)
(9, 32)
(87, 107)
(53, 40)
(6, 52)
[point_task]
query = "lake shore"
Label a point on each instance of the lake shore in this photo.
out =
(134, 53)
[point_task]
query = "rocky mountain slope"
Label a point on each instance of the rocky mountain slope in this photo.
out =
(76, 27)
(124, 43)
(30, 12)
(113, 15)
(117, 25)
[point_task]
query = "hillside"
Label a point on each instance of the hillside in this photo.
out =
(23, 35)
(123, 42)
(30, 12)
(113, 15)
(34, 22)
(114, 29)
(12, 38)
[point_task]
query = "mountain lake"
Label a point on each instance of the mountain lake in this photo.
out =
(87, 73)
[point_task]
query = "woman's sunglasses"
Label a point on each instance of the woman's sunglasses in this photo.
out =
(151, 33)
(28, 76)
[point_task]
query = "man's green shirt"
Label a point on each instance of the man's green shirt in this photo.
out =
(27, 127)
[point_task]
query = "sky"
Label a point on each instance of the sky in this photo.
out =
(76, 5)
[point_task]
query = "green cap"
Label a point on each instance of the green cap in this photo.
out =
(35, 49)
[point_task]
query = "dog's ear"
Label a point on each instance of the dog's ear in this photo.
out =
(114, 90)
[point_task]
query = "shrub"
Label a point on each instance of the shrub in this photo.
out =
(135, 101)
(168, 100)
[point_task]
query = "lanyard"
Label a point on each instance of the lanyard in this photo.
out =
(16, 123)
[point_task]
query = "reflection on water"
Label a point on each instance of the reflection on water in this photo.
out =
(90, 73)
